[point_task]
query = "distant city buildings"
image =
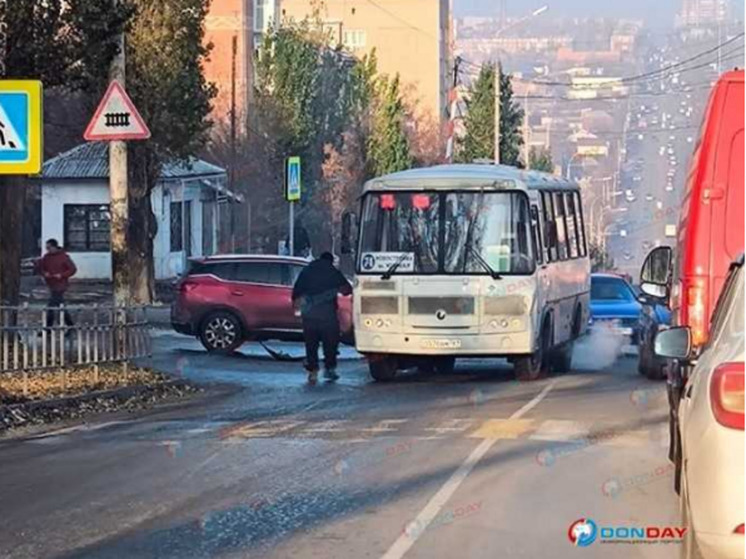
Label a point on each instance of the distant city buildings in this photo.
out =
(695, 13)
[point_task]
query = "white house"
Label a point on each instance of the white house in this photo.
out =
(188, 202)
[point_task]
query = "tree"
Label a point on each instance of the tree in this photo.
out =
(67, 44)
(601, 261)
(165, 53)
(479, 139)
(540, 160)
(388, 146)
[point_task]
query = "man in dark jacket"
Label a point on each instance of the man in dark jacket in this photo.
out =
(56, 267)
(315, 292)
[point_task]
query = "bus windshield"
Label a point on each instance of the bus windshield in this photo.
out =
(446, 233)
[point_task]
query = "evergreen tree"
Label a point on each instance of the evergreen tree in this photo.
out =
(540, 160)
(479, 140)
(388, 146)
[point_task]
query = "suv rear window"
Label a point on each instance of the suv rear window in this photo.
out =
(223, 270)
(261, 272)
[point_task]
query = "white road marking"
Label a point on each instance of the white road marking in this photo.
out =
(385, 426)
(329, 426)
(405, 541)
(452, 426)
(560, 430)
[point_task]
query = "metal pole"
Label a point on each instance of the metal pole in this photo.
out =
(291, 236)
(232, 174)
(119, 197)
(497, 113)
(526, 133)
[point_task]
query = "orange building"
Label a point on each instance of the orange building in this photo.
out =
(410, 37)
(229, 27)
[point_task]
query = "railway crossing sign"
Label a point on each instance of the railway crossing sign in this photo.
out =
(116, 118)
(20, 127)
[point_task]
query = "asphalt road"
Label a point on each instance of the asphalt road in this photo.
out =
(468, 465)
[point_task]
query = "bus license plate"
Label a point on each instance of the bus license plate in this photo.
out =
(441, 344)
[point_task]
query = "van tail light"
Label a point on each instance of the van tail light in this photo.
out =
(726, 395)
(739, 529)
(695, 303)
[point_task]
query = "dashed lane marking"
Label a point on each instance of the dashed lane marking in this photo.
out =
(385, 426)
(452, 426)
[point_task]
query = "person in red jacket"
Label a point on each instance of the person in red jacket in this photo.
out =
(56, 267)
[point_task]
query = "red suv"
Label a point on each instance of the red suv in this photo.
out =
(227, 300)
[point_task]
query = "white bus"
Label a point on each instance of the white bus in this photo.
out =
(475, 260)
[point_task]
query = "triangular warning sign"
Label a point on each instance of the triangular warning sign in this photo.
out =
(116, 118)
(9, 139)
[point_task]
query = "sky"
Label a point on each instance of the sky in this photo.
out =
(655, 12)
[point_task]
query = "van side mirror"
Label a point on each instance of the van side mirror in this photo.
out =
(674, 343)
(348, 222)
(657, 267)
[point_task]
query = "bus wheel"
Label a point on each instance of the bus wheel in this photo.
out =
(533, 366)
(382, 367)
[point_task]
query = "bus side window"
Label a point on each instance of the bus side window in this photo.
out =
(550, 232)
(572, 224)
(536, 233)
(582, 245)
(559, 219)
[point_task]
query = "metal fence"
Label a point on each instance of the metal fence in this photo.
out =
(35, 337)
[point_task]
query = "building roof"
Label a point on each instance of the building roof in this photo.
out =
(91, 161)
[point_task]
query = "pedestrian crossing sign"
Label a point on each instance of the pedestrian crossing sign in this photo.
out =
(20, 127)
(292, 179)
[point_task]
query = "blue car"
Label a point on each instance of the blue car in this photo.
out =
(614, 305)
(654, 317)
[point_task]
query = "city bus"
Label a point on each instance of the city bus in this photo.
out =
(475, 260)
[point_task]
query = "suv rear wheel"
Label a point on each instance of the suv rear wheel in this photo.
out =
(220, 332)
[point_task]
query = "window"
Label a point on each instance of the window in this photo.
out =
(264, 12)
(181, 230)
(580, 225)
(550, 231)
(270, 273)
(222, 270)
(87, 227)
(536, 229)
(559, 222)
(572, 224)
(611, 289)
(354, 39)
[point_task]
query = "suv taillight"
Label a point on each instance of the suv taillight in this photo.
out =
(726, 395)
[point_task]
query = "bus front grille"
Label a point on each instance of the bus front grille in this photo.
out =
(431, 305)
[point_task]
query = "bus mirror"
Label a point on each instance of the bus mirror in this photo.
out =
(348, 220)
(656, 269)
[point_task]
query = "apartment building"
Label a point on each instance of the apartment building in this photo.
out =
(410, 37)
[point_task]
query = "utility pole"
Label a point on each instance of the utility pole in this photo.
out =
(232, 175)
(497, 113)
(526, 133)
(119, 196)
